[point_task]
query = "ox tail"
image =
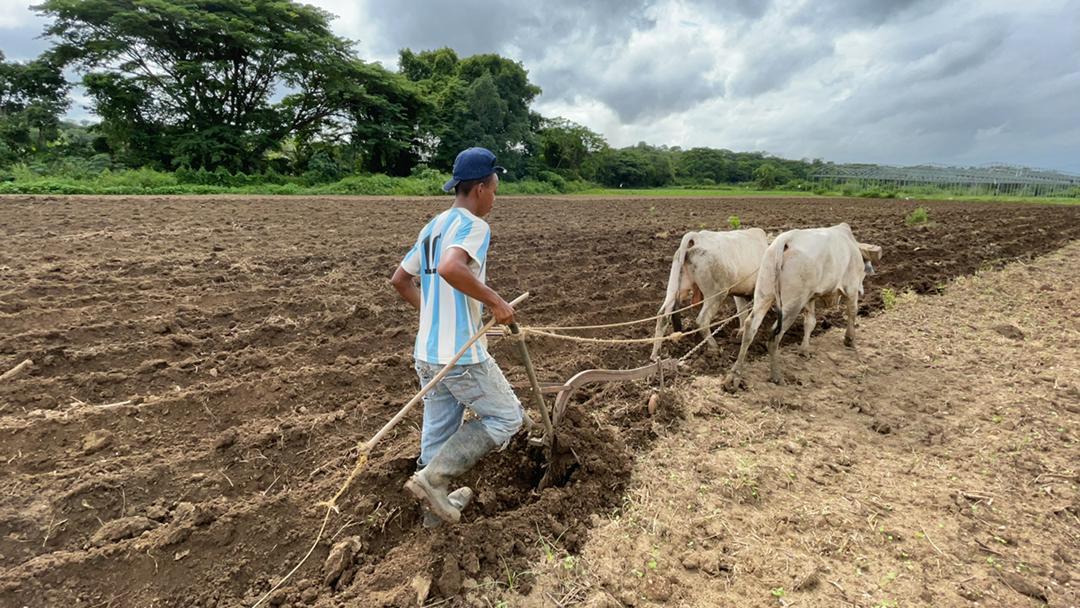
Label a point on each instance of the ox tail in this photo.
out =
(778, 269)
(675, 279)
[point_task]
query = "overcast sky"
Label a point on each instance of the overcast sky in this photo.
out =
(886, 81)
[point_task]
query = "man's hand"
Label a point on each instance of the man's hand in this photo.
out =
(503, 311)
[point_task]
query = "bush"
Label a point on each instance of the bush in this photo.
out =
(137, 179)
(527, 187)
(919, 216)
(734, 222)
(557, 181)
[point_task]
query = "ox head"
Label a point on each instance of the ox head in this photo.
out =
(871, 254)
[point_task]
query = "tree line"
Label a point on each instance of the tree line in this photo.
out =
(264, 89)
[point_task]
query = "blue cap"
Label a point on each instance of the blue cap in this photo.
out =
(472, 163)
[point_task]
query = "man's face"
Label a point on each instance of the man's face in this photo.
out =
(485, 194)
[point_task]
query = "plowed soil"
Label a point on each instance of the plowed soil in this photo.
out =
(203, 369)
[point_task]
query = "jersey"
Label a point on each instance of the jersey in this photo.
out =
(448, 317)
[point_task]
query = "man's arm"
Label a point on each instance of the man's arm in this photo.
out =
(406, 287)
(454, 269)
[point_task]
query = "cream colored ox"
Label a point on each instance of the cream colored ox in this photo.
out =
(710, 266)
(800, 270)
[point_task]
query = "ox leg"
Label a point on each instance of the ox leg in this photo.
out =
(775, 375)
(742, 306)
(705, 317)
(809, 321)
(852, 305)
(749, 330)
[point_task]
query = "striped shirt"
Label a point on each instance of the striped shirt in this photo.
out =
(448, 318)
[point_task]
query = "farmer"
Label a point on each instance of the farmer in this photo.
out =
(450, 258)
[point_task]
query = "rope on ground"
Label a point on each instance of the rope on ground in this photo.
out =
(638, 321)
(331, 507)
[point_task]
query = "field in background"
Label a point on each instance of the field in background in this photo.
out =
(205, 366)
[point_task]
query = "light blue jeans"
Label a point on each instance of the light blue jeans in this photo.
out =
(482, 388)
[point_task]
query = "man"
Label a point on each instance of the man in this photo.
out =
(450, 257)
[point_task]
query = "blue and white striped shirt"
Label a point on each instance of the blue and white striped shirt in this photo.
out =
(448, 318)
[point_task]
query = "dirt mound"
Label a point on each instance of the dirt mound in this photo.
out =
(203, 367)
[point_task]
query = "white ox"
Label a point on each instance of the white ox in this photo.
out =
(710, 266)
(802, 269)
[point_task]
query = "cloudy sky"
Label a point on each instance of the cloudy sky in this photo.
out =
(887, 81)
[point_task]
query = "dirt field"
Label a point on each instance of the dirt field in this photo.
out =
(204, 369)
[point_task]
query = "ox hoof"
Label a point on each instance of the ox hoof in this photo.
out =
(777, 379)
(805, 353)
(849, 342)
(732, 383)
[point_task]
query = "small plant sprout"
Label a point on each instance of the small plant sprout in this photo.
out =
(919, 216)
(778, 592)
(734, 222)
(888, 298)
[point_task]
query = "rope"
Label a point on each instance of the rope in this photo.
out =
(331, 507)
(637, 321)
(672, 336)
(537, 332)
(691, 352)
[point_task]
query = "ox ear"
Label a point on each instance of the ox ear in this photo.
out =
(870, 253)
(868, 268)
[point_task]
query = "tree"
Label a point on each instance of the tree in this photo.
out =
(33, 96)
(191, 82)
(565, 146)
(481, 100)
(640, 166)
(769, 175)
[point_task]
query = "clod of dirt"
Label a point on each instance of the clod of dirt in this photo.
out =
(1020, 585)
(881, 427)
(451, 578)
(151, 365)
(96, 440)
(119, 529)
(421, 583)
(470, 563)
(809, 581)
(340, 558)
(183, 340)
(659, 589)
(1010, 331)
(225, 439)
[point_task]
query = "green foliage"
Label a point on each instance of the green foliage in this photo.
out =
(641, 166)
(769, 175)
(481, 100)
(566, 146)
(734, 222)
(33, 95)
(919, 216)
(888, 298)
(191, 83)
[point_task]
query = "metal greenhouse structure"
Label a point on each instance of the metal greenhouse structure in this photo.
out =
(992, 179)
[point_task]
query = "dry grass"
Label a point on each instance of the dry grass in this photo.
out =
(935, 466)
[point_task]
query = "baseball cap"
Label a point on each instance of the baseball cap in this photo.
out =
(472, 163)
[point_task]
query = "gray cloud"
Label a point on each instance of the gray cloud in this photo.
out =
(908, 81)
(22, 42)
(858, 13)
